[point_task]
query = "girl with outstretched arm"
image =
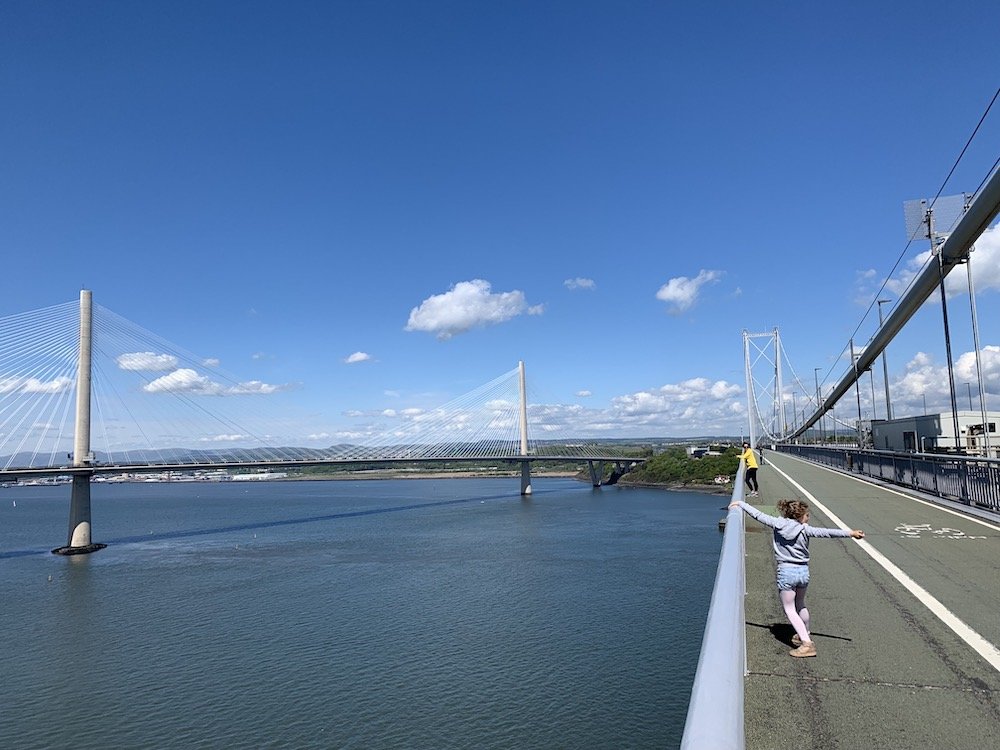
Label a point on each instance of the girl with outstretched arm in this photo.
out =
(791, 553)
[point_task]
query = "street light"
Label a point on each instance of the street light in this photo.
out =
(857, 389)
(920, 214)
(822, 415)
(885, 367)
(871, 377)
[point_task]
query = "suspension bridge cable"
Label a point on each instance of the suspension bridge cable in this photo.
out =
(910, 240)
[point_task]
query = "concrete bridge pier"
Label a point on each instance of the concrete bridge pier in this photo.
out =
(525, 477)
(596, 472)
(79, 520)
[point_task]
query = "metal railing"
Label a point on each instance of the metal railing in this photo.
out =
(715, 713)
(965, 479)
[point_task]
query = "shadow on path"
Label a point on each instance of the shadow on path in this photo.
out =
(783, 632)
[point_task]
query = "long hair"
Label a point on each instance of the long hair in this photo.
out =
(792, 509)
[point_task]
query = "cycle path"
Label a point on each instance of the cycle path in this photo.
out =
(897, 667)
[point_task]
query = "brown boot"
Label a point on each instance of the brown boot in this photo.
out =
(807, 648)
(796, 641)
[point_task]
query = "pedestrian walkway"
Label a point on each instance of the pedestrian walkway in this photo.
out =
(910, 664)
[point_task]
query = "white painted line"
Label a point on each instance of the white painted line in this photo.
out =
(964, 516)
(979, 644)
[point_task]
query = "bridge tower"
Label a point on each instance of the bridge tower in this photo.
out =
(765, 397)
(79, 541)
(525, 465)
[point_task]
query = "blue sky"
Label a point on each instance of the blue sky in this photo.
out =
(381, 205)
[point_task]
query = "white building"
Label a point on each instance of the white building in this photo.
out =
(928, 433)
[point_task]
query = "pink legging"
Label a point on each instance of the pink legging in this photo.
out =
(794, 603)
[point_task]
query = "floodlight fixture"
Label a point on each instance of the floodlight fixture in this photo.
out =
(934, 219)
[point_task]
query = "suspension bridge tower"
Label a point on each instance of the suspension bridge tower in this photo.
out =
(765, 399)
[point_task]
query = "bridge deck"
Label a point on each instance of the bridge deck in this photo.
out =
(889, 672)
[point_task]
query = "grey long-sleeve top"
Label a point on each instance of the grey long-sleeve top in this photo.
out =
(791, 538)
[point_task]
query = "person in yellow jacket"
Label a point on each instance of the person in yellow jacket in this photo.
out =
(750, 475)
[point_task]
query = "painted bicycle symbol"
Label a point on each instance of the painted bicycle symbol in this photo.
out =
(919, 530)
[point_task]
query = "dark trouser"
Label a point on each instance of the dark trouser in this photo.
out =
(751, 479)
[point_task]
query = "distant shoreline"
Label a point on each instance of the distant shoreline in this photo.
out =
(426, 475)
(708, 489)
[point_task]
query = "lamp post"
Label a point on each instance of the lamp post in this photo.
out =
(944, 312)
(819, 405)
(885, 367)
(975, 340)
(857, 389)
(871, 377)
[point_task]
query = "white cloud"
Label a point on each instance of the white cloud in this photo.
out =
(186, 380)
(682, 292)
(693, 406)
(926, 381)
(986, 261)
(468, 305)
(61, 384)
(318, 436)
(357, 357)
(14, 384)
(254, 386)
(146, 362)
(580, 283)
(989, 357)
(697, 406)
(210, 362)
(223, 438)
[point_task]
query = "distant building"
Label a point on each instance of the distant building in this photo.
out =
(697, 451)
(932, 433)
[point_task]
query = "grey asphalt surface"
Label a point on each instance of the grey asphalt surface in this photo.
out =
(889, 673)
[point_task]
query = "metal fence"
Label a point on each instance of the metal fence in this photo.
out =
(715, 713)
(965, 479)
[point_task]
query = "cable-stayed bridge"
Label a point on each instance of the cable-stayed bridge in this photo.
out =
(85, 393)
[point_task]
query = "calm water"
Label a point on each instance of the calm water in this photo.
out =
(360, 614)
